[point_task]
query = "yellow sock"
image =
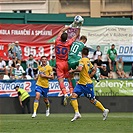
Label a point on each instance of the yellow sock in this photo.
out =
(99, 105)
(74, 104)
(36, 103)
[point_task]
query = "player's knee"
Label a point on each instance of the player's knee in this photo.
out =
(93, 101)
(74, 95)
(37, 98)
(45, 100)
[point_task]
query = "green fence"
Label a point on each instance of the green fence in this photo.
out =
(24, 18)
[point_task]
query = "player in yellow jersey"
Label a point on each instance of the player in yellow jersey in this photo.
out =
(85, 85)
(42, 86)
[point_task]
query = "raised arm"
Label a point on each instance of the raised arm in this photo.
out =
(77, 34)
(63, 30)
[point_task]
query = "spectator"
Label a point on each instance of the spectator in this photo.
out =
(111, 56)
(31, 70)
(96, 53)
(119, 68)
(98, 62)
(98, 73)
(52, 63)
(11, 64)
(10, 48)
(105, 73)
(131, 73)
(17, 72)
(17, 52)
(24, 99)
(3, 66)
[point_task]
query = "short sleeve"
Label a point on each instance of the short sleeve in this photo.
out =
(94, 53)
(108, 51)
(50, 70)
(81, 63)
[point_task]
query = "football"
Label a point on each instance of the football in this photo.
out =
(78, 19)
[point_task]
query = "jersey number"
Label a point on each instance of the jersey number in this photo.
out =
(61, 50)
(74, 48)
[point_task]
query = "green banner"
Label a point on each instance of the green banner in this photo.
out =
(114, 87)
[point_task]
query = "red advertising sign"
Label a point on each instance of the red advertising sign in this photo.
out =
(33, 39)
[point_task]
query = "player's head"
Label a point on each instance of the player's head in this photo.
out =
(64, 37)
(85, 51)
(83, 39)
(44, 60)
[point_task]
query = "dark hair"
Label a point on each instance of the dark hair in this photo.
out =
(30, 55)
(83, 38)
(85, 51)
(16, 87)
(43, 56)
(98, 46)
(64, 37)
(113, 45)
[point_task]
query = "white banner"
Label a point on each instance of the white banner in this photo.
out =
(105, 36)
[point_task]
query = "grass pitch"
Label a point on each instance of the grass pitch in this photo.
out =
(60, 123)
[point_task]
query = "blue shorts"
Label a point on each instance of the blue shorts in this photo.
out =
(41, 90)
(87, 90)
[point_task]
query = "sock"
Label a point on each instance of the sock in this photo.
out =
(62, 87)
(64, 91)
(36, 103)
(73, 83)
(71, 90)
(99, 105)
(70, 87)
(47, 104)
(74, 104)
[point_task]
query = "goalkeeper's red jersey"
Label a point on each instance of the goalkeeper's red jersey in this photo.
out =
(62, 49)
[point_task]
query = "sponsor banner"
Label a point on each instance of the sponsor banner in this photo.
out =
(7, 87)
(102, 88)
(29, 33)
(34, 39)
(105, 36)
(114, 87)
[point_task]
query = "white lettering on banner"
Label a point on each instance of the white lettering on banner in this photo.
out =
(117, 84)
(20, 32)
(1, 47)
(4, 32)
(129, 84)
(36, 52)
(125, 91)
(107, 83)
(26, 32)
(43, 32)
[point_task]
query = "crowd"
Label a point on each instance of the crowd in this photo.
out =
(113, 68)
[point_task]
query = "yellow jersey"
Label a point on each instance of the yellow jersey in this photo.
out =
(47, 70)
(84, 77)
